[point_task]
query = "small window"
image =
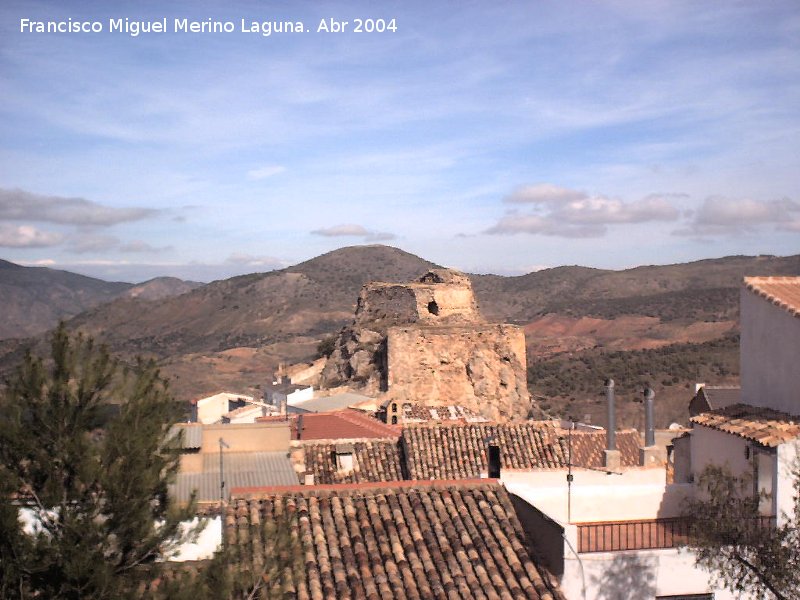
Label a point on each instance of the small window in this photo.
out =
(433, 308)
(394, 420)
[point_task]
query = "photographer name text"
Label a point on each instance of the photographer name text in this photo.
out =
(135, 28)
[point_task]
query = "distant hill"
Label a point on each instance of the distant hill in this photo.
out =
(33, 299)
(687, 290)
(160, 288)
(310, 299)
(232, 333)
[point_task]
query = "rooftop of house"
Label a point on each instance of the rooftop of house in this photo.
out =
(781, 291)
(229, 396)
(192, 435)
(421, 413)
(333, 402)
(402, 540)
(287, 387)
(338, 425)
(244, 410)
(712, 397)
(373, 461)
(768, 427)
(458, 451)
(240, 469)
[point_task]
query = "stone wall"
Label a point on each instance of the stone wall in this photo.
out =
(426, 341)
(440, 296)
(480, 367)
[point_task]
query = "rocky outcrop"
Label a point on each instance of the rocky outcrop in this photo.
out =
(426, 342)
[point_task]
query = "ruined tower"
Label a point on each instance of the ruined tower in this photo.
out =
(427, 342)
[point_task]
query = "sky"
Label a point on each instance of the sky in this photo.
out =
(492, 137)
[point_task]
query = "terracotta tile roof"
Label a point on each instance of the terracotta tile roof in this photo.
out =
(459, 451)
(339, 425)
(588, 447)
(460, 540)
(781, 291)
(378, 460)
(413, 412)
(763, 425)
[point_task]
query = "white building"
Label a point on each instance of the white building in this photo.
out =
(759, 436)
(770, 343)
(226, 407)
(287, 393)
(615, 534)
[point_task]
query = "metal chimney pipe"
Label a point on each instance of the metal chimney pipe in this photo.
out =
(649, 419)
(611, 434)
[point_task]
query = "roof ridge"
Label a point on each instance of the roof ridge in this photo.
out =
(352, 416)
(362, 486)
(764, 287)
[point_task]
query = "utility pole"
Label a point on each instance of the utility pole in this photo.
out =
(569, 473)
(222, 445)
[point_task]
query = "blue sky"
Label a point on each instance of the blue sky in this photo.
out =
(491, 137)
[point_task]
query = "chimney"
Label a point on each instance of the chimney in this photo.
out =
(612, 456)
(493, 457)
(649, 454)
(282, 404)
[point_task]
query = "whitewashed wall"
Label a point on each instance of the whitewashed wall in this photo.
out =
(770, 347)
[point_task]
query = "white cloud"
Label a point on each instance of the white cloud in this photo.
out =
(559, 211)
(607, 210)
(353, 230)
(25, 236)
(19, 205)
(727, 216)
(265, 172)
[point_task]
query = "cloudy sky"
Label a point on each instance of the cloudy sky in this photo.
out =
(488, 136)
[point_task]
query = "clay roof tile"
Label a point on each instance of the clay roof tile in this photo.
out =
(450, 539)
(781, 291)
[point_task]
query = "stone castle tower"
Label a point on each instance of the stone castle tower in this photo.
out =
(427, 342)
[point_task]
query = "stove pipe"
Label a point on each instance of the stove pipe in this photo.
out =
(611, 433)
(649, 418)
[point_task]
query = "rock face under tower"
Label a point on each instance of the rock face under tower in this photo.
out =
(427, 342)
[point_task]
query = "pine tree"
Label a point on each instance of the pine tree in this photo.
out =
(85, 452)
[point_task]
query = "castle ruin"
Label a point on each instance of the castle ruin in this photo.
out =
(427, 342)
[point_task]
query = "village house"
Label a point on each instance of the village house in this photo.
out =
(759, 435)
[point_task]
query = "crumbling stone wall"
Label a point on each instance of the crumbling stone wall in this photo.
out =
(481, 367)
(440, 296)
(427, 341)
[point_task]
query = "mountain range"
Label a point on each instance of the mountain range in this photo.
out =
(232, 333)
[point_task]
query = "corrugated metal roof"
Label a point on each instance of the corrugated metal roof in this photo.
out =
(241, 469)
(336, 402)
(192, 435)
